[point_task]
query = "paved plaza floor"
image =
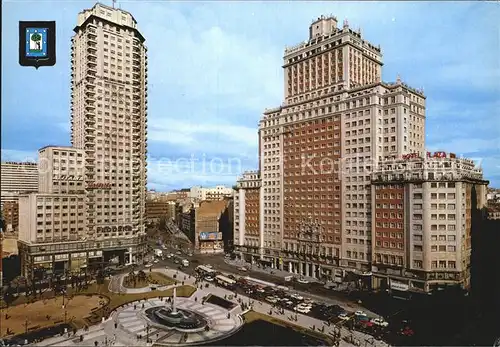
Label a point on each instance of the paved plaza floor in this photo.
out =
(127, 326)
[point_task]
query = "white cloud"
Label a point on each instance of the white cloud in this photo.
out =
(19, 156)
(466, 146)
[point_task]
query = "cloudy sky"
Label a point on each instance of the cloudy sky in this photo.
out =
(215, 66)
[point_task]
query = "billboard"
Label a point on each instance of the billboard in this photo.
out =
(210, 236)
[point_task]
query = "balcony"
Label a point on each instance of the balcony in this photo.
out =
(92, 38)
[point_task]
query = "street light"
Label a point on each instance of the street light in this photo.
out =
(309, 240)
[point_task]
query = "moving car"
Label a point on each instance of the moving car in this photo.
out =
(380, 322)
(148, 265)
(303, 281)
(272, 299)
(209, 278)
(360, 314)
(243, 269)
(170, 256)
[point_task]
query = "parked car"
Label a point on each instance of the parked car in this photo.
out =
(360, 314)
(243, 269)
(303, 310)
(364, 320)
(148, 265)
(344, 316)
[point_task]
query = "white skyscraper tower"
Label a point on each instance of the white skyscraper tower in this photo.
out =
(109, 108)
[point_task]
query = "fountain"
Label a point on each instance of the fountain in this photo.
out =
(175, 318)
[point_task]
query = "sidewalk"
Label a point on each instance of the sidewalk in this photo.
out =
(276, 272)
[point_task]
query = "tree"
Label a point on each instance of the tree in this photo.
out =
(36, 38)
(141, 276)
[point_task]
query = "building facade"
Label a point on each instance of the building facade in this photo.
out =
(18, 177)
(155, 210)
(318, 149)
(211, 194)
(211, 220)
(422, 229)
(108, 135)
(247, 202)
(15, 178)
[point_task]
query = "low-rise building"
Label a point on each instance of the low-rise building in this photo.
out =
(10, 215)
(421, 217)
(212, 194)
(211, 223)
(493, 210)
(157, 209)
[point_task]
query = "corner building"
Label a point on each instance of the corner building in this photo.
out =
(423, 210)
(318, 149)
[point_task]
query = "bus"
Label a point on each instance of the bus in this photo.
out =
(225, 281)
(204, 270)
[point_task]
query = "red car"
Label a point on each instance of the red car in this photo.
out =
(364, 321)
(407, 332)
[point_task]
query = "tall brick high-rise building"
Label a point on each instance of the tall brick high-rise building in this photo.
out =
(318, 149)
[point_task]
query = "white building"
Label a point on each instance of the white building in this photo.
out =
(422, 218)
(17, 178)
(215, 193)
(246, 229)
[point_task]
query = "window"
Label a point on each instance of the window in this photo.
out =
(417, 264)
(417, 248)
(452, 264)
(451, 238)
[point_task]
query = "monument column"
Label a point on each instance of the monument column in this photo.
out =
(174, 296)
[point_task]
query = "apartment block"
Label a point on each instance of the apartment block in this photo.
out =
(423, 206)
(318, 150)
(247, 225)
(17, 178)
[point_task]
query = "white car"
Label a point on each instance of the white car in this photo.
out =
(209, 279)
(344, 316)
(297, 297)
(303, 281)
(243, 269)
(303, 310)
(170, 256)
(380, 322)
(156, 261)
(360, 314)
(148, 265)
(209, 266)
(272, 299)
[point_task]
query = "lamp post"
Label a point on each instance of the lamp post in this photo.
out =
(309, 239)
